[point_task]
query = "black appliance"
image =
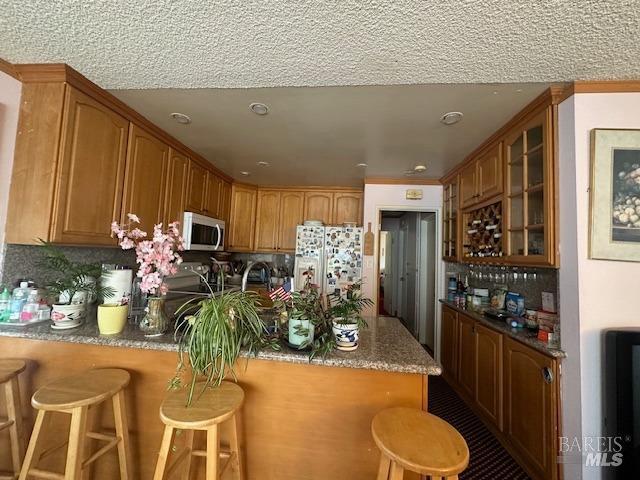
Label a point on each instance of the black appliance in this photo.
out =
(622, 399)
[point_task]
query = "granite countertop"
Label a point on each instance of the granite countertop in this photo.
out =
(521, 334)
(386, 345)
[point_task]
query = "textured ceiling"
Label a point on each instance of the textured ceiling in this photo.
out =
(265, 43)
(316, 136)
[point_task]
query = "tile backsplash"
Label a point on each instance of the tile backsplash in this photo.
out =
(530, 282)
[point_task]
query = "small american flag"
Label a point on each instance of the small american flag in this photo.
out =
(283, 292)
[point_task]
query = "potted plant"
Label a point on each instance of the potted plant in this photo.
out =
(157, 258)
(309, 326)
(73, 285)
(346, 315)
(214, 335)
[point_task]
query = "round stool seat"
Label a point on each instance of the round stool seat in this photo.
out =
(10, 368)
(82, 389)
(213, 406)
(420, 442)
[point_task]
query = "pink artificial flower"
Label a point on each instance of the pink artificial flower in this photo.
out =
(156, 257)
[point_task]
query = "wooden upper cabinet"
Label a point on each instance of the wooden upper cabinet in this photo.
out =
(530, 407)
(488, 395)
(177, 182)
(468, 185)
(490, 173)
(145, 181)
(88, 193)
(267, 220)
(291, 215)
(449, 343)
(212, 196)
(225, 201)
(197, 188)
(242, 219)
(347, 207)
(318, 206)
(467, 355)
(530, 192)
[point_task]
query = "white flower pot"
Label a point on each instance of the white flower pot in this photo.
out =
(67, 313)
(295, 338)
(346, 335)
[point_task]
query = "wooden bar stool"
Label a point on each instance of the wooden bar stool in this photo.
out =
(74, 395)
(9, 371)
(410, 439)
(215, 406)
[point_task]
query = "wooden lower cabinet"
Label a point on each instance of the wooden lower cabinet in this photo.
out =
(488, 375)
(467, 355)
(449, 344)
(531, 407)
(511, 386)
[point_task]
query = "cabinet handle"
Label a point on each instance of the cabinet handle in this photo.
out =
(547, 375)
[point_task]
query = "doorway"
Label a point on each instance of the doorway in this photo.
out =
(407, 270)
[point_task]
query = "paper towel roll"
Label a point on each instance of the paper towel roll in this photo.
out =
(120, 283)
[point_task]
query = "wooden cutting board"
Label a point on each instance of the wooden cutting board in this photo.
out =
(368, 241)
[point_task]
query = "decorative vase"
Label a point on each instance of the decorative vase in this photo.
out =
(296, 337)
(112, 318)
(155, 322)
(346, 334)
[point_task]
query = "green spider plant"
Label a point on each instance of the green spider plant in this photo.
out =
(213, 337)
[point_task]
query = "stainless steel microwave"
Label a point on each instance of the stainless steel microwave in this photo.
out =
(202, 233)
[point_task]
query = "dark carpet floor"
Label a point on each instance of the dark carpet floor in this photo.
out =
(488, 460)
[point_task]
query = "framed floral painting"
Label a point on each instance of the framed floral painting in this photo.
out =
(615, 195)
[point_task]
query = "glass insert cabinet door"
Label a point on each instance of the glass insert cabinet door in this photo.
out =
(529, 195)
(450, 220)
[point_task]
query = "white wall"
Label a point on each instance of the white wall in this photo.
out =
(10, 90)
(594, 294)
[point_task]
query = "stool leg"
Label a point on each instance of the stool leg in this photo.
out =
(32, 456)
(383, 468)
(122, 431)
(16, 431)
(164, 453)
(397, 472)
(77, 433)
(234, 445)
(213, 453)
(188, 442)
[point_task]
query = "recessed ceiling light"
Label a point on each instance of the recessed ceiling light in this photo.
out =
(419, 168)
(245, 173)
(259, 108)
(181, 118)
(451, 118)
(263, 164)
(519, 90)
(362, 165)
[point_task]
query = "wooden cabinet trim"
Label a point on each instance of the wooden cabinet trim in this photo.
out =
(62, 73)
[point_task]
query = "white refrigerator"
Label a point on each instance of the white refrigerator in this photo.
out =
(330, 256)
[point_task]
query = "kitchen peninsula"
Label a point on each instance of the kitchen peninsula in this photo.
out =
(300, 420)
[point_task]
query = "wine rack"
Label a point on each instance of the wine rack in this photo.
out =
(483, 232)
